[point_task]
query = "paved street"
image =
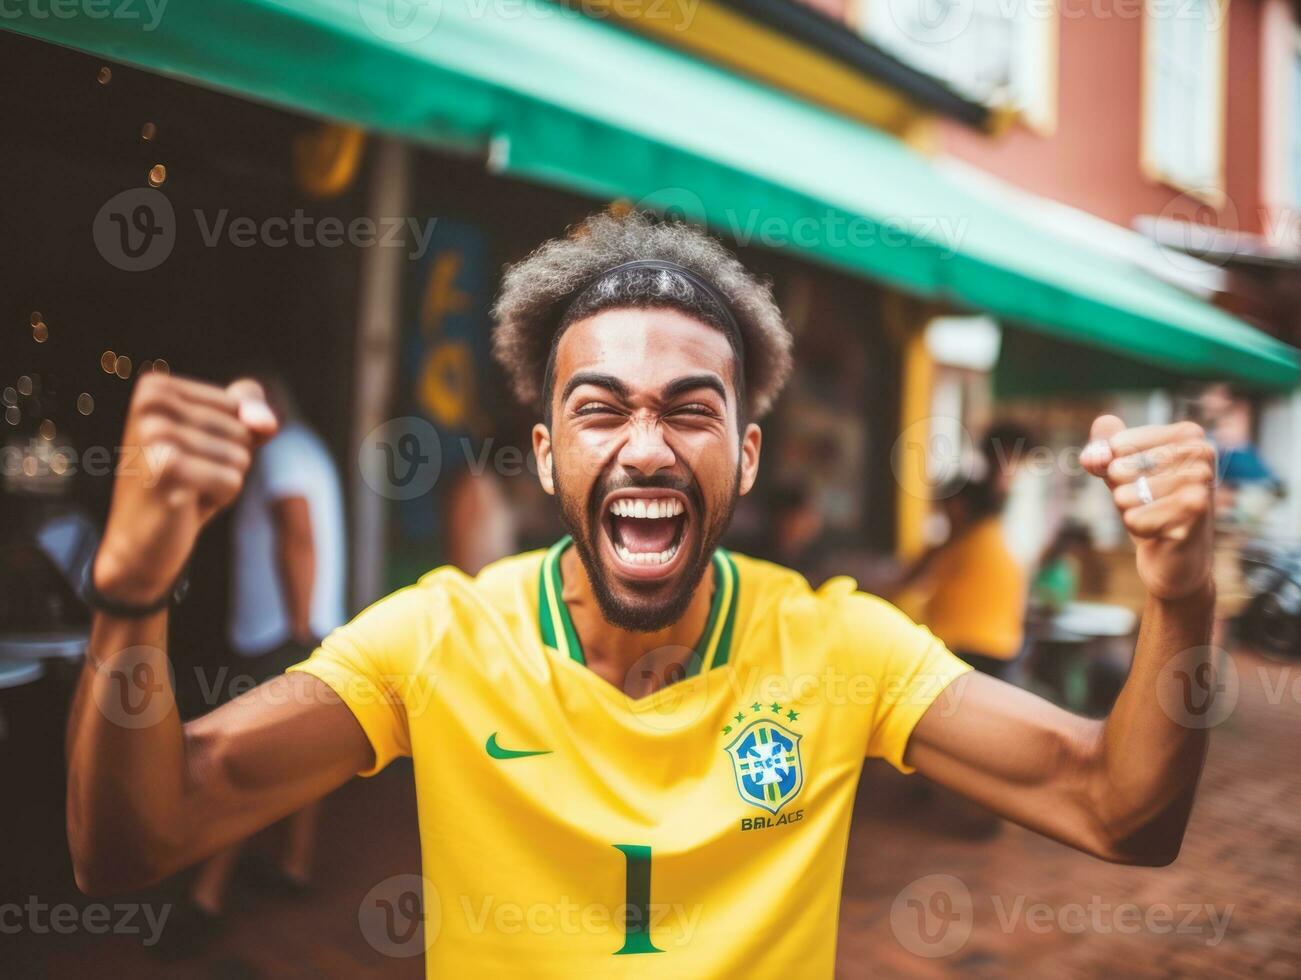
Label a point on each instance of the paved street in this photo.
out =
(1241, 857)
(1014, 905)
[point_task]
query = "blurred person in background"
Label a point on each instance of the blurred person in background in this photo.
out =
(479, 521)
(287, 591)
(1057, 580)
(1002, 451)
(970, 591)
(1246, 494)
(796, 532)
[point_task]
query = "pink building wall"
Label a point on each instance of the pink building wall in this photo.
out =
(1092, 158)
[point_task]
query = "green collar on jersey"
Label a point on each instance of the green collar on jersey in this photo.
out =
(713, 647)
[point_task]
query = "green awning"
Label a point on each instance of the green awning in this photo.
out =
(559, 97)
(1035, 366)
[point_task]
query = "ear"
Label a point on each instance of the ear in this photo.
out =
(750, 443)
(542, 450)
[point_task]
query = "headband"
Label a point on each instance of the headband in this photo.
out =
(703, 285)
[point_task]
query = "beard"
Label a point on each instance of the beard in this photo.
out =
(644, 611)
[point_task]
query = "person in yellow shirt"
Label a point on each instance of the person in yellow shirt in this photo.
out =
(635, 753)
(970, 591)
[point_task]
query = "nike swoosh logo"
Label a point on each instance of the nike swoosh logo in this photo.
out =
(497, 752)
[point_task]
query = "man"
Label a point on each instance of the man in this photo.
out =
(650, 740)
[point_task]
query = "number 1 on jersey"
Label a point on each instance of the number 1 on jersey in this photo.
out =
(636, 922)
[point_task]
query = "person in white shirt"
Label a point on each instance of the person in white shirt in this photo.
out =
(287, 592)
(288, 569)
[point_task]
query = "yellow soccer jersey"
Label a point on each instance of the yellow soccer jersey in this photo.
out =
(569, 830)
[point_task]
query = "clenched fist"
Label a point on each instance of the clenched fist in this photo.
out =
(190, 445)
(1162, 478)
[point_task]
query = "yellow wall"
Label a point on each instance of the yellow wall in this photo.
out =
(719, 34)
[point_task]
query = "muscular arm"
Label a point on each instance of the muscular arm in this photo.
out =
(1122, 788)
(146, 794)
(296, 558)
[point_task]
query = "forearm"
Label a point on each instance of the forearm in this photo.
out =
(148, 796)
(1152, 745)
(126, 757)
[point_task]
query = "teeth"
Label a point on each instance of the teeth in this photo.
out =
(646, 557)
(630, 507)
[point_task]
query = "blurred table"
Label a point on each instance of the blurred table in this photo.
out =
(16, 673)
(1074, 652)
(1091, 620)
(60, 645)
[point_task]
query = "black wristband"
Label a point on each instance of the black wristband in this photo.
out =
(127, 610)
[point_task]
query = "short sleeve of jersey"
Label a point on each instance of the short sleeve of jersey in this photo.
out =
(902, 667)
(383, 665)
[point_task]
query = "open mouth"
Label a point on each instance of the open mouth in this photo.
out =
(647, 531)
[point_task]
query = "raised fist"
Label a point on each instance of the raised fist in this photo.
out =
(186, 449)
(1162, 478)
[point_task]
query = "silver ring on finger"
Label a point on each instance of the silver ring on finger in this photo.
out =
(1144, 490)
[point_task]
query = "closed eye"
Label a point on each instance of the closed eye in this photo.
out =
(695, 408)
(596, 408)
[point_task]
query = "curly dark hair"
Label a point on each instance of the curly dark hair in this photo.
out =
(538, 294)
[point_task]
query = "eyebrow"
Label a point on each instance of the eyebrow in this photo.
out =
(598, 380)
(676, 387)
(692, 382)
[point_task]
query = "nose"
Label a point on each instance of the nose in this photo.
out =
(645, 449)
